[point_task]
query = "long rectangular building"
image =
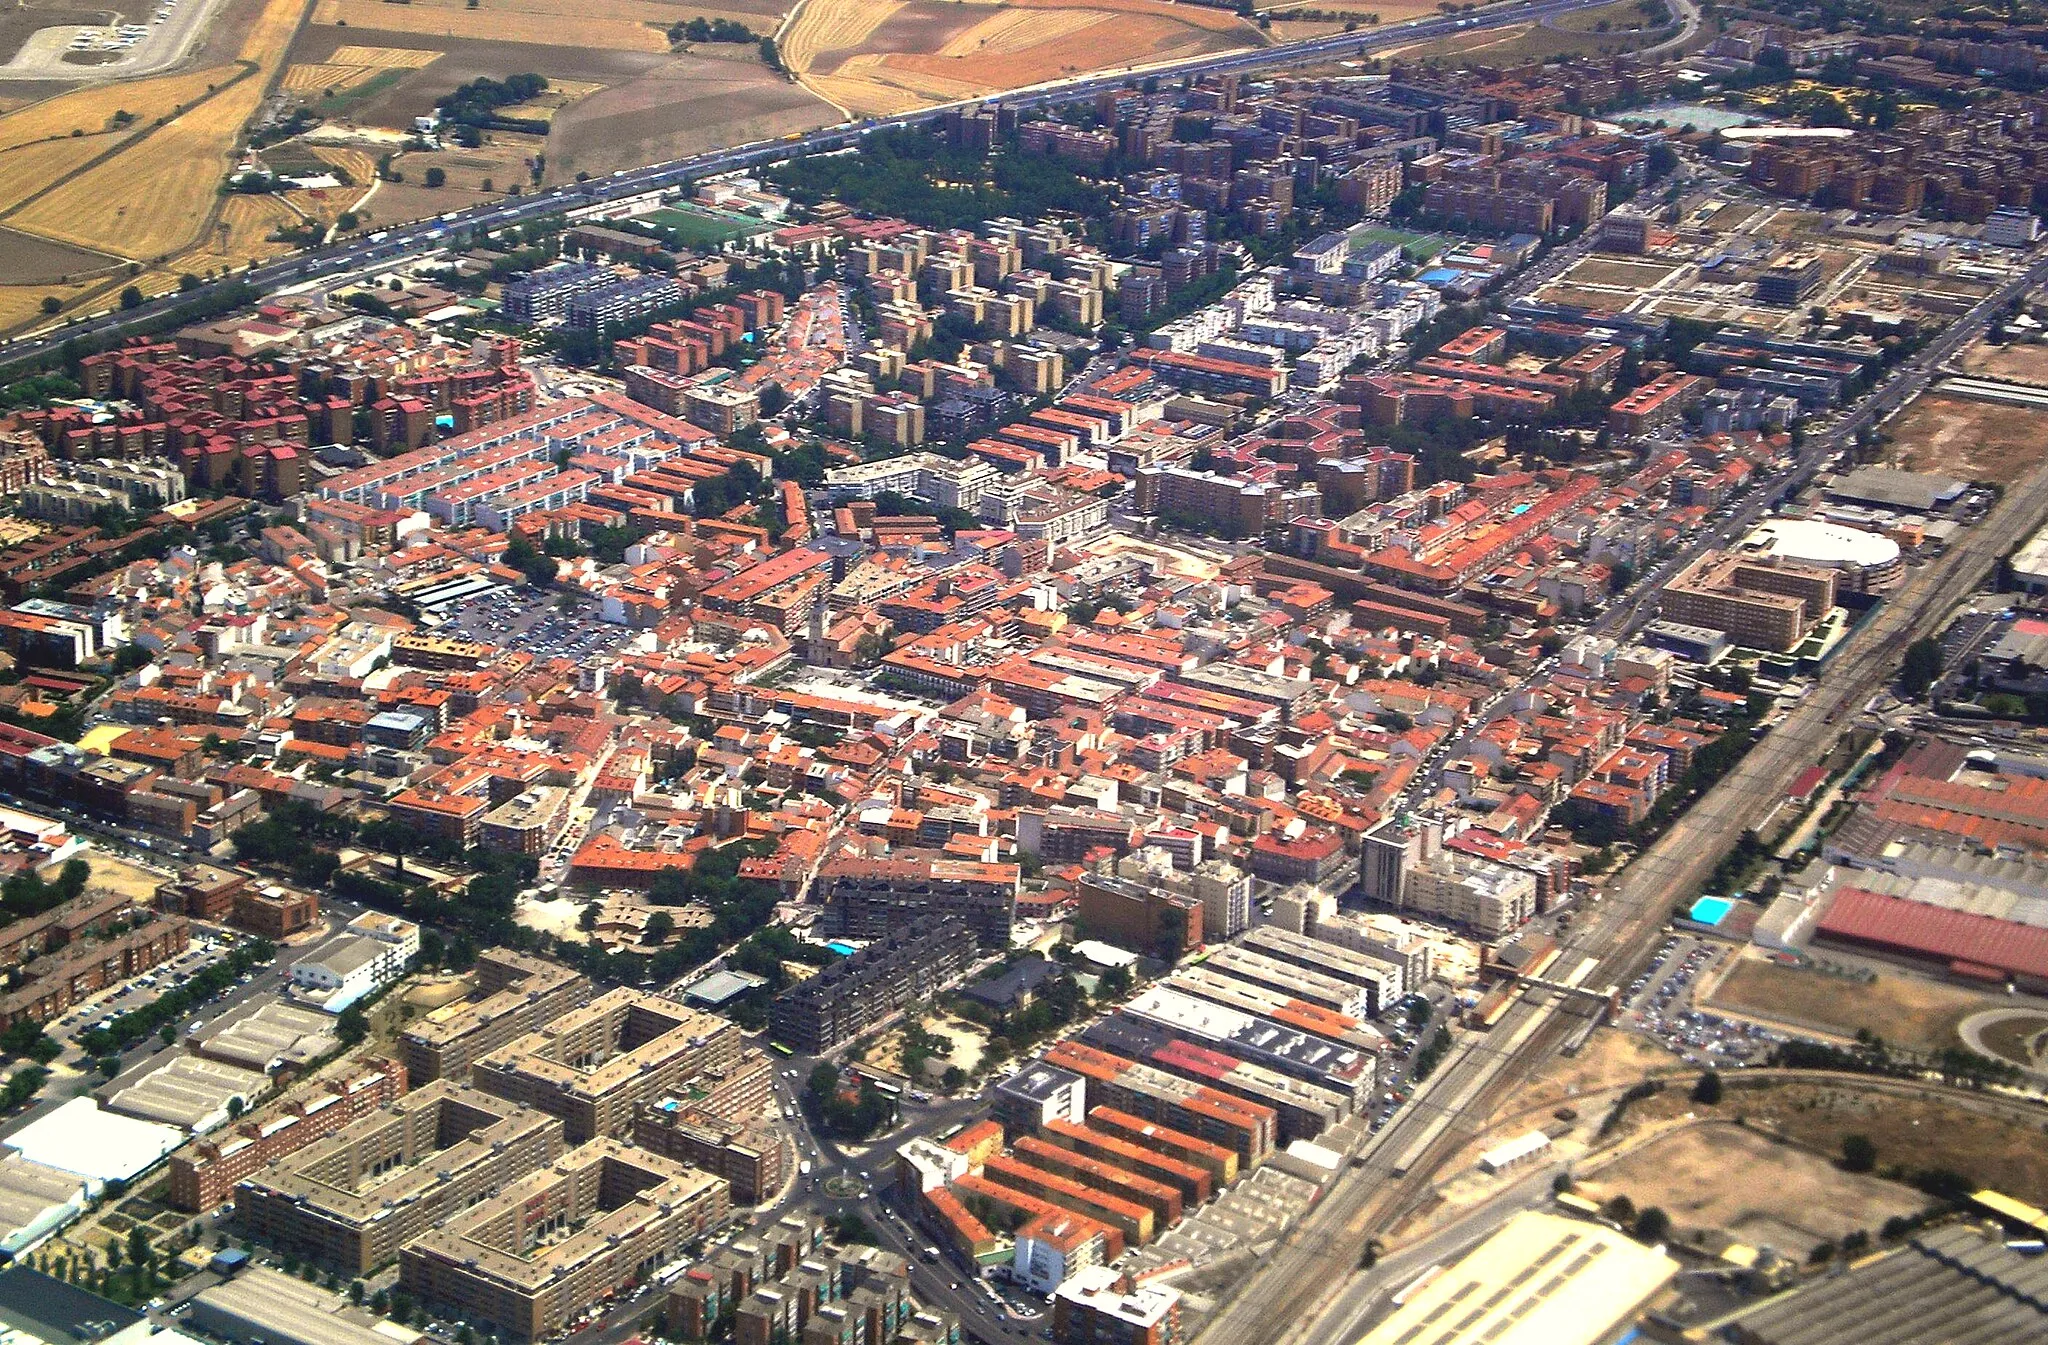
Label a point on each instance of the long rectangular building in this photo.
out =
(1267, 973)
(1212, 1010)
(1248, 1130)
(1302, 1110)
(1379, 980)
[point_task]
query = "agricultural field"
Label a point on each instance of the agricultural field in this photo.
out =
(619, 25)
(140, 178)
(872, 58)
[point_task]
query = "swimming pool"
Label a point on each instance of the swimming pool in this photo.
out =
(1711, 910)
(843, 949)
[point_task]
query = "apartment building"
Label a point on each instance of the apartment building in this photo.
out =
(870, 898)
(515, 994)
(541, 1248)
(851, 995)
(205, 1172)
(593, 1065)
(352, 1199)
(1763, 605)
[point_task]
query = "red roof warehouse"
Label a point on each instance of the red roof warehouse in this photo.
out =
(1969, 945)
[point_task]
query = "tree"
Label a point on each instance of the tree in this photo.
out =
(52, 305)
(659, 926)
(356, 1291)
(352, 1026)
(1620, 1209)
(1858, 1153)
(436, 177)
(1920, 667)
(1652, 1225)
(1707, 1092)
(953, 1079)
(188, 282)
(586, 919)
(131, 297)
(347, 221)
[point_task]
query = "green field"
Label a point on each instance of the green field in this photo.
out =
(697, 228)
(1419, 247)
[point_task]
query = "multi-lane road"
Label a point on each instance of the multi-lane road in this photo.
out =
(423, 237)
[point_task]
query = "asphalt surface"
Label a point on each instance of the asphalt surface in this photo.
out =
(424, 237)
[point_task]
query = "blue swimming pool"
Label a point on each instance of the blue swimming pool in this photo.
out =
(1711, 910)
(843, 949)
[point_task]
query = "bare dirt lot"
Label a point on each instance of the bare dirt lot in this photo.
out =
(1610, 1059)
(2008, 364)
(1616, 271)
(1911, 1133)
(1978, 440)
(1780, 1196)
(1918, 1014)
(111, 873)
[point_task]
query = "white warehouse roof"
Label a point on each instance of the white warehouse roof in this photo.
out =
(97, 1145)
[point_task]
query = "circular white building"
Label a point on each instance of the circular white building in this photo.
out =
(1867, 562)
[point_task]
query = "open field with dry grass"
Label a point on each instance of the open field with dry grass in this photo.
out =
(111, 873)
(681, 106)
(1918, 1014)
(1610, 1058)
(1911, 1133)
(1978, 440)
(883, 57)
(1785, 1197)
(2008, 364)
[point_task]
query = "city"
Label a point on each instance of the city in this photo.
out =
(1121, 673)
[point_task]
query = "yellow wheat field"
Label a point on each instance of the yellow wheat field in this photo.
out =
(1017, 30)
(385, 58)
(1018, 43)
(22, 305)
(318, 77)
(625, 25)
(360, 165)
(27, 169)
(92, 109)
(154, 198)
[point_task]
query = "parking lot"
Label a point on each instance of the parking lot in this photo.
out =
(1659, 1002)
(535, 622)
(141, 991)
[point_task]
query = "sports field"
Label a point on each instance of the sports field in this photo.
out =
(699, 228)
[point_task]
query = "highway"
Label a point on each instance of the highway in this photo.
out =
(1399, 1165)
(423, 237)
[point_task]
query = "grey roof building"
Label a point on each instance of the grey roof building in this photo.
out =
(1958, 1284)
